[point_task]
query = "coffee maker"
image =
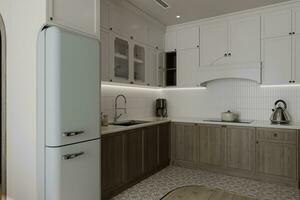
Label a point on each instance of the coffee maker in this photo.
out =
(161, 108)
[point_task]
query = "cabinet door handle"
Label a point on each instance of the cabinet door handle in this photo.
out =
(72, 156)
(275, 134)
(73, 133)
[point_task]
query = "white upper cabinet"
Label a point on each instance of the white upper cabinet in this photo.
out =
(188, 67)
(277, 65)
(188, 38)
(161, 69)
(152, 67)
(296, 59)
(156, 37)
(104, 39)
(81, 15)
(171, 41)
(118, 20)
(244, 40)
(104, 14)
(213, 43)
(276, 24)
(296, 20)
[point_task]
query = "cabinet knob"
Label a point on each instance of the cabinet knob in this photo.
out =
(131, 37)
(111, 29)
(198, 46)
(110, 80)
(275, 134)
(256, 142)
(131, 82)
(290, 33)
(294, 33)
(294, 81)
(229, 54)
(225, 54)
(290, 81)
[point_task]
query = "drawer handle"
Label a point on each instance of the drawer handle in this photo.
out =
(72, 156)
(73, 133)
(275, 134)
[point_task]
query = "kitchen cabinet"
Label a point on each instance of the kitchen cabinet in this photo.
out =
(230, 42)
(240, 149)
(139, 64)
(81, 15)
(185, 144)
(213, 43)
(150, 149)
(171, 41)
(128, 157)
(164, 145)
(133, 155)
(156, 37)
(152, 67)
(104, 14)
(188, 38)
(276, 59)
(244, 40)
(280, 46)
(276, 24)
(276, 153)
(188, 67)
(104, 39)
(211, 145)
(112, 156)
(161, 69)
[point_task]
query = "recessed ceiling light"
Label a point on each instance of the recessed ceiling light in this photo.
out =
(178, 16)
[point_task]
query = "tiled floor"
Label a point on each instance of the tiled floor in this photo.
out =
(170, 178)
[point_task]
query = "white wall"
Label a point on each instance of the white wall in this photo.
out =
(140, 102)
(23, 20)
(243, 96)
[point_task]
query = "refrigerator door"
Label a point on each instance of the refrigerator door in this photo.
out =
(72, 87)
(73, 172)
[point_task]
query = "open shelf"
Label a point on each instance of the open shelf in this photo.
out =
(171, 69)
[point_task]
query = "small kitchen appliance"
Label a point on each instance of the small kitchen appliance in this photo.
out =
(280, 114)
(161, 108)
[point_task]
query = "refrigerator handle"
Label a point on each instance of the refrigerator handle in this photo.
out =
(71, 156)
(73, 133)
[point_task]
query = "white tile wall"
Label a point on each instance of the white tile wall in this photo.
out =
(140, 102)
(243, 96)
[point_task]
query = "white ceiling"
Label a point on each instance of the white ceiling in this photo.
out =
(190, 10)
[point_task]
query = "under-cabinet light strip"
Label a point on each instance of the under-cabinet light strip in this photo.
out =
(278, 86)
(140, 87)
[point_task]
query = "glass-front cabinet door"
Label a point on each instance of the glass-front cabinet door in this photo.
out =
(139, 64)
(120, 60)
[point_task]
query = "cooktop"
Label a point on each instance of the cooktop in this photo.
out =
(239, 121)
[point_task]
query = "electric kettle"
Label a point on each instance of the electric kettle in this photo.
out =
(280, 115)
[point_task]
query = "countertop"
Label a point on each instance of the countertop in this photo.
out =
(154, 121)
(255, 123)
(150, 121)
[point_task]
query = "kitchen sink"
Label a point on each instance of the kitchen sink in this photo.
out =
(129, 123)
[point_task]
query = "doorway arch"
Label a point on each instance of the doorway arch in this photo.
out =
(3, 107)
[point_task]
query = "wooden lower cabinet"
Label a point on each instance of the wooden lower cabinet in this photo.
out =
(259, 153)
(211, 145)
(164, 145)
(112, 154)
(276, 154)
(133, 155)
(240, 149)
(150, 149)
(185, 147)
(130, 156)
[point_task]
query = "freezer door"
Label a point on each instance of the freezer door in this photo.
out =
(72, 87)
(73, 172)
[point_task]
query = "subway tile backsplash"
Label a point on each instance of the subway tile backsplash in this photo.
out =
(242, 96)
(140, 102)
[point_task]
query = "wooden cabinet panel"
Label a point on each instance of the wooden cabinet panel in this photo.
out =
(188, 67)
(213, 43)
(133, 155)
(211, 145)
(150, 149)
(277, 62)
(277, 159)
(164, 145)
(244, 40)
(277, 24)
(112, 155)
(185, 146)
(281, 135)
(188, 38)
(240, 148)
(67, 13)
